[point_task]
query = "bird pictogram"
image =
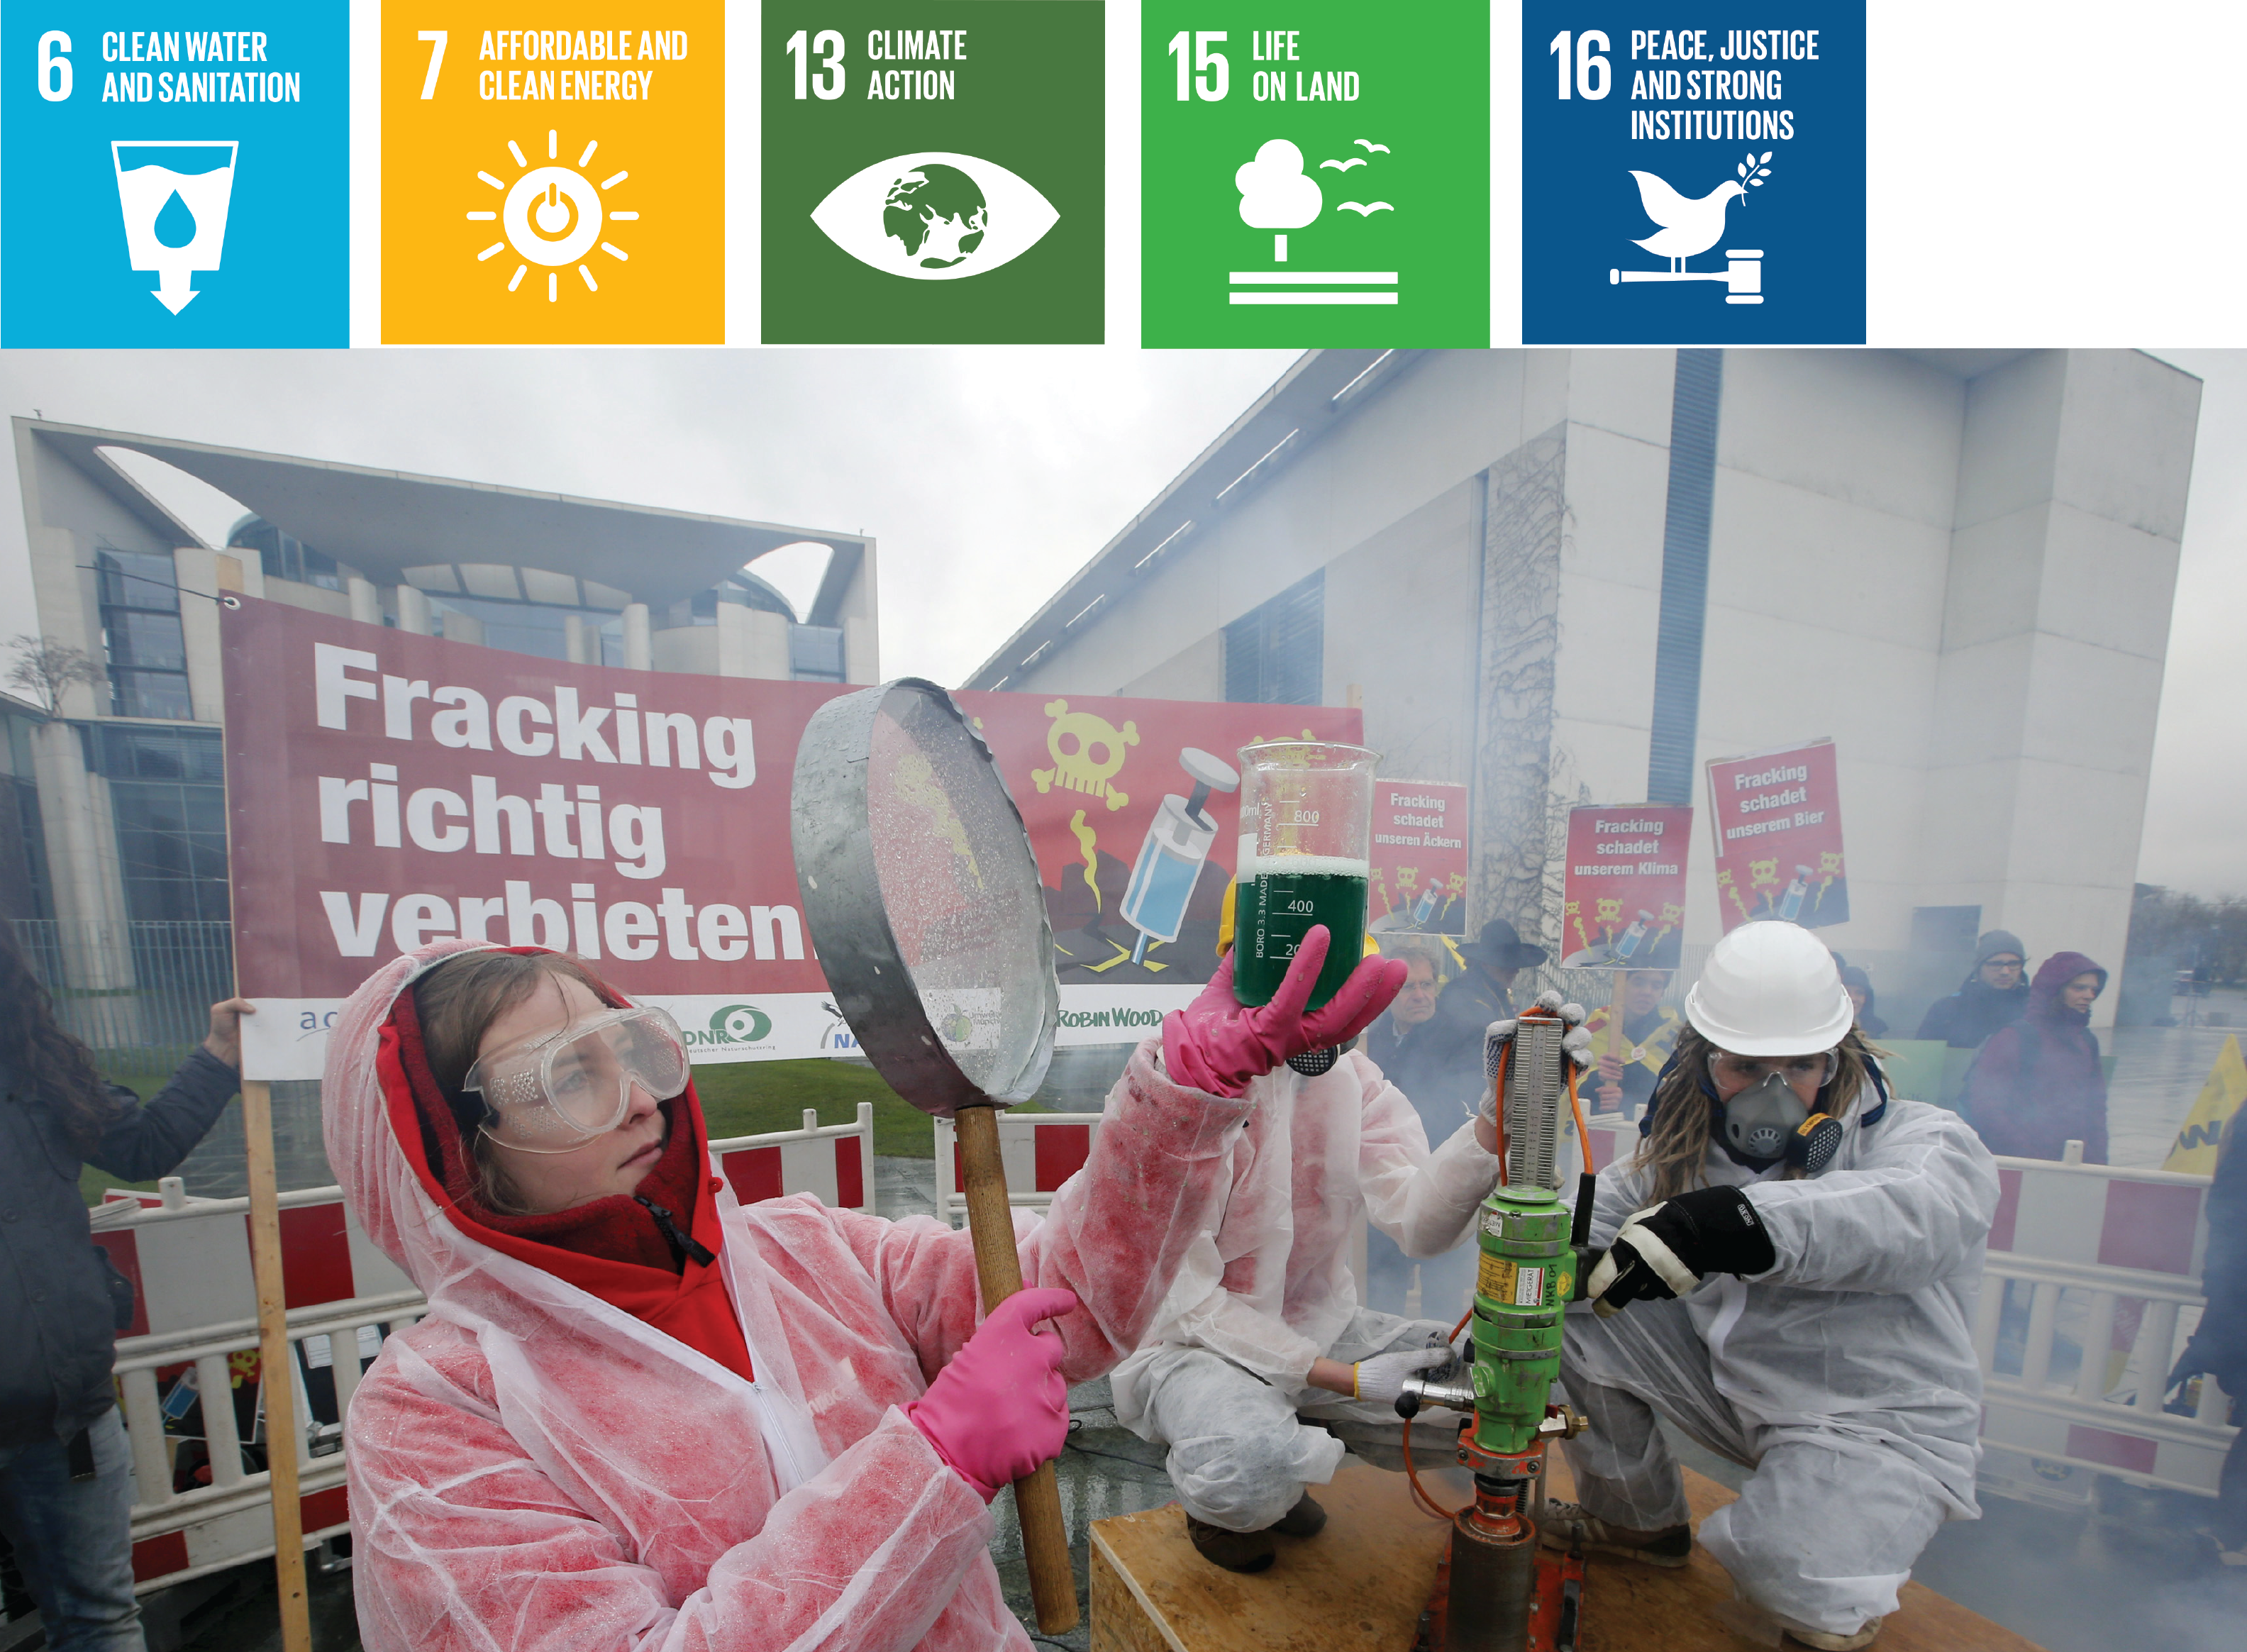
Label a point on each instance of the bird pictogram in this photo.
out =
(1691, 226)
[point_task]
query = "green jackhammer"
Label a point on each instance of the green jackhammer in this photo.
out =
(1497, 1591)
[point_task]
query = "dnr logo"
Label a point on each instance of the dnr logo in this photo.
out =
(730, 1025)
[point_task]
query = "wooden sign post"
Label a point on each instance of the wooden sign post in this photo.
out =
(276, 1358)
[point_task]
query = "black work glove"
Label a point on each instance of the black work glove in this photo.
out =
(1665, 1250)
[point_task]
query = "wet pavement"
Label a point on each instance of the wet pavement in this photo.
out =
(2158, 1075)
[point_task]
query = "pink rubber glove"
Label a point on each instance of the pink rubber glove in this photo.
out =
(1219, 1044)
(999, 1409)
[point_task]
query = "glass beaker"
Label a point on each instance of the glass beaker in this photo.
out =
(1305, 843)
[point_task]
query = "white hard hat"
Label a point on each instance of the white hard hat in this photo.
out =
(1771, 988)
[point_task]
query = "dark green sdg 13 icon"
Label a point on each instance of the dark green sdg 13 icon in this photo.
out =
(933, 172)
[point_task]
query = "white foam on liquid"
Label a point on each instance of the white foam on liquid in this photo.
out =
(1305, 866)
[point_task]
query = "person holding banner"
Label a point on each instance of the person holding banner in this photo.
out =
(1791, 1264)
(1649, 1030)
(66, 1487)
(640, 1413)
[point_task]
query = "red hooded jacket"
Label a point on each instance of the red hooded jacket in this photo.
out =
(613, 1247)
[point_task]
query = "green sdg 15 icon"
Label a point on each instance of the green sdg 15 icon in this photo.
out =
(1315, 173)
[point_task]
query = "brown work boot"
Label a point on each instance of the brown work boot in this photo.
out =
(1565, 1525)
(1307, 1519)
(1864, 1635)
(1234, 1551)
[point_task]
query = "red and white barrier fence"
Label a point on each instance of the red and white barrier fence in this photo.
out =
(2097, 1261)
(195, 1334)
(1038, 1151)
(2101, 1259)
(2104, 1262)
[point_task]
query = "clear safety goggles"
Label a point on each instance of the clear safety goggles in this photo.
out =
(554, 1093)
(1732, 1074)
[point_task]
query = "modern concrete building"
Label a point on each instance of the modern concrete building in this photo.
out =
(121, 808)
(1566, 577)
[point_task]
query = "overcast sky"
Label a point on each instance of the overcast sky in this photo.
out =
(988, 476)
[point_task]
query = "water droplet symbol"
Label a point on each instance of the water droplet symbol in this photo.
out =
(175, 224)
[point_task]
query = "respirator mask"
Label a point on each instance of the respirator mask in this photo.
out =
(1766, 1118)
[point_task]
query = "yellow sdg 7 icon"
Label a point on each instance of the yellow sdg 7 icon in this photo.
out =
(552, 177)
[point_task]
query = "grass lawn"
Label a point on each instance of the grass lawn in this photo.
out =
(747, 1098)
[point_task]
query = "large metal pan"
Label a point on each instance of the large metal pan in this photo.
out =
(929, 918)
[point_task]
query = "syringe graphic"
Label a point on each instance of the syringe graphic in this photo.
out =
(1170, 859)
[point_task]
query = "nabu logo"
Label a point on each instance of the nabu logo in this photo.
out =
(935, 216)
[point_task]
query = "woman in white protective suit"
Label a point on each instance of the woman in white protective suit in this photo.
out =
(1792, 1266)
(640, 1415)
(1263, 1368)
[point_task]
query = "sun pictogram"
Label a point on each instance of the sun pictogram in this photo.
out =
(553, 216)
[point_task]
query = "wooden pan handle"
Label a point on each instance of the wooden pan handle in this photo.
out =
(999, 1270)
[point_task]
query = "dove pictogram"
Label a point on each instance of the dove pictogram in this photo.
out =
(1688, 226)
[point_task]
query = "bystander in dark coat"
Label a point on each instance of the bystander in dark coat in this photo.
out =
(2038, 1084)
(1483, 994)
(66, 1465)
(1993, 996)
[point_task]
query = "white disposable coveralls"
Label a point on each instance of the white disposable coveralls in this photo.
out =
(1266, 1289)
(531, 1468)
(1845, 1376)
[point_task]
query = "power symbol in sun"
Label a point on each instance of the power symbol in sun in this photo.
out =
(552, 216)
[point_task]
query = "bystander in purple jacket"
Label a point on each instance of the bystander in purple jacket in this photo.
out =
(2038, 1083)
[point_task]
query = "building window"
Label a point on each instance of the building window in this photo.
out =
(536, 628)
(739, 590)
(141, 630)
(26, 889)
(284, 556)
(1275, 653)
(167, 796)
(815, 653)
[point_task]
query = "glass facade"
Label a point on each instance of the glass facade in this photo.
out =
(815, 653)
(284, 556)
(147, 653)
(741, 590)
(536, 628)
(167, 794)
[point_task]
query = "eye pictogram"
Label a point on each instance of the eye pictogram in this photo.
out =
(935, 215)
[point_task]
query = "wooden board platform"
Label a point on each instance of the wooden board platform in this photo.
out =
(1361, 1584)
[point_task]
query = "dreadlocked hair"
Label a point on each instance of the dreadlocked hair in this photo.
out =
(1677, 1146)
(56, 1070)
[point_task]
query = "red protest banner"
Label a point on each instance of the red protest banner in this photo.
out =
(1419, 857)
(1134, 809)
(387, 790)
(1622, 892)
(1778, 836)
